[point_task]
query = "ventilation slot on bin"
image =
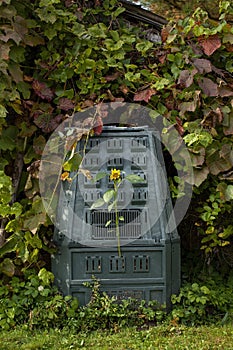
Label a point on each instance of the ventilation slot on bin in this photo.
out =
(93, 264)
(140, 182)
(115, 163)
(115, 145)
(140, 196)
(116, 264)
(93, 145)
(129, 228)
(139, 160)
(139, 144)
(141, 263)
(91, 196)
(90, 183)
(90, 162)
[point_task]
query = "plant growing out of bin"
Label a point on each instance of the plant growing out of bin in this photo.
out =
(110, 197)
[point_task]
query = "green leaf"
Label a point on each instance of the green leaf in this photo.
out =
(7, 267)
(134, 178)
(10, 245)
(16, 209)
(144, 46)
(118, 11)
(121, 218)
(45, 276)
(229, 192)
(108, 223)
(73, 163)
(97, 204)
(99, 176)
(108, 195)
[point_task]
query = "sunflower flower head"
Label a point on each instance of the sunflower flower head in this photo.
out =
(115, 174)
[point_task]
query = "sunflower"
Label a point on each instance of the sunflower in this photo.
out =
(115, 174)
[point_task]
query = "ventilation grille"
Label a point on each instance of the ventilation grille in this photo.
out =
(126, 294)
(130, 227)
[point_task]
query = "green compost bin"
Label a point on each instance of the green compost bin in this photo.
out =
(149, 265)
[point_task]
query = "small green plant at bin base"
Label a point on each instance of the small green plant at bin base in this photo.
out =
(110, 197)
(106, 312)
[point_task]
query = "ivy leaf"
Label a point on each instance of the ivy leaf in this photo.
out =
(9, 245)
(112, 77)
(210, 44)
(203, 65)
(225, 91)
(46, 122)
(186, 77)
(42, 90)
(208, 87)
(33, 222)
(229, 192)
(39, 144)
(65, 104)
(15, 72)
(4, 53)
(190, 106)
(7, 267)
(228, 124)
(200, 175)
(144, 95)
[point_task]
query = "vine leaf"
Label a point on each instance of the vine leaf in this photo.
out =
(210, 44)
(7, 267)
(65, 104)
(208, 86)
(42, 90)
(203, 65)
(186, 77)
(144, 95)
(200, 175)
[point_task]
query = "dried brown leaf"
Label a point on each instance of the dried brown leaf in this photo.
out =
(42, 90)
(210, 44)
(65, 104)
(144, 95)
(202, 65)
(186, 77)
(208, 87)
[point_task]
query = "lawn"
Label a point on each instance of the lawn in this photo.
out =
(161, 337)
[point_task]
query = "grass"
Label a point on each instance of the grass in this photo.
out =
(161, 337)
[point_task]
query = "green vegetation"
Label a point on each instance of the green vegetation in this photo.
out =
(59, 57)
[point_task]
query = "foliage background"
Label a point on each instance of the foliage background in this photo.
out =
(58, 57)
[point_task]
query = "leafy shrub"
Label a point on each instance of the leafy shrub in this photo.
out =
(203, 302)
(36, 303)
(33, 302)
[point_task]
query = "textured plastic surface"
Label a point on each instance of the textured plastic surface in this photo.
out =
(150, 264)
